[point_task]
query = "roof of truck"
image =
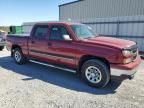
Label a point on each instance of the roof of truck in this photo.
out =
(50, 22)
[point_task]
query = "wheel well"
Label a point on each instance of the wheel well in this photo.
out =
(89, 57)
(14, 47)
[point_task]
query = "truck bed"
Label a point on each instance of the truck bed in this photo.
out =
(19, 35)
(19, 40)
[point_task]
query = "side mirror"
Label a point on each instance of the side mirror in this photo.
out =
(67, 37)
(89, 28)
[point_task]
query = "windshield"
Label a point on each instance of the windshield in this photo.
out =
(82, 31)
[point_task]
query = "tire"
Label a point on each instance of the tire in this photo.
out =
(95, 73)
(19, 57)
(1, 48)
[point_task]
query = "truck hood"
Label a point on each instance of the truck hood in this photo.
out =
(111, 42)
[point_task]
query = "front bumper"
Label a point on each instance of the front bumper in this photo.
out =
(126, 70)
(128, 73)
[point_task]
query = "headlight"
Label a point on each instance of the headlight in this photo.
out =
(126, 53)
(127, 60)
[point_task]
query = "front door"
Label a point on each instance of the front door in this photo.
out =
(61, 46)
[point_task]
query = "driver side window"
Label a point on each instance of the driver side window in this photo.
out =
(58, 33)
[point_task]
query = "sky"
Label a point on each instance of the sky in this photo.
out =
(15, 12)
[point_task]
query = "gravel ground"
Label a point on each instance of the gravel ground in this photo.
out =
(35, 86)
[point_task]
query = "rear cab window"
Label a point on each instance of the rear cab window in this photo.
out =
(41, 31)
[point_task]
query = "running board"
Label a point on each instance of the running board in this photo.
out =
(53, 66)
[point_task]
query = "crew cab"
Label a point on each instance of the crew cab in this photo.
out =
(2, 40)
(74, 47)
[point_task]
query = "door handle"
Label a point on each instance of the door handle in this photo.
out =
(33, 42)
(49, 44)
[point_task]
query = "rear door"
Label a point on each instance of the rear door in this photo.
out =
(61, 45)
(38, 42)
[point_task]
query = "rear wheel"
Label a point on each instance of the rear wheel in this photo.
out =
(18, 56)
(1, 48)
(95, 73)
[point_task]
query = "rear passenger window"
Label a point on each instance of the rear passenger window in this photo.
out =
(57, 33)
(41, 32)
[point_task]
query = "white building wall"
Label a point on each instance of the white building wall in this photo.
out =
(101, 8)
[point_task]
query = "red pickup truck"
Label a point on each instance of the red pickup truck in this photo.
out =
(74, 47)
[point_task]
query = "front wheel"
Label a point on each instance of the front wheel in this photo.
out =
(18, 56)
(95, 73)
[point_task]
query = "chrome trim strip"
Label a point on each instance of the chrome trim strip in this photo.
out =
(53, 66)
(47, 55)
